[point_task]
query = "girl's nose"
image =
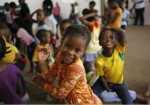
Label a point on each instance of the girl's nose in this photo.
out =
(71, 51)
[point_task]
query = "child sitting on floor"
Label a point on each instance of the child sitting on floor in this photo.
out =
(66, 80)
(110, 65)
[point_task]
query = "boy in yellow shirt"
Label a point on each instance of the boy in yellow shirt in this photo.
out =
(110, 65)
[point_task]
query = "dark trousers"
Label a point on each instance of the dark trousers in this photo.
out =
(120, 89)
(139, 16)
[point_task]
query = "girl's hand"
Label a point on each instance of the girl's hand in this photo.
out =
(39, 80)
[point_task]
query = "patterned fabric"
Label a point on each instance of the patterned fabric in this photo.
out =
(68, 83)
(10, 57)
(112, 68)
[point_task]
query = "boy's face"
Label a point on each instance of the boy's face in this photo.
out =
(46, 38)
(108, 40)
(40, 16)
(72, 48)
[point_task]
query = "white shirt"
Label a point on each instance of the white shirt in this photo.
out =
(52, 23)
(36, 28)
(125, 17)
(139, 4)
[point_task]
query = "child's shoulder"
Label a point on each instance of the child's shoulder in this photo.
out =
(120, 48)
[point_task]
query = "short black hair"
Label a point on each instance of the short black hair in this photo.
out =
(47, 7)
(119, 35)
(13, 5)
(76, 30)
(92, 3)
(41, 34)
(86, 12)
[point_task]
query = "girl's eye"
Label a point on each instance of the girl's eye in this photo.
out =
(77, 50)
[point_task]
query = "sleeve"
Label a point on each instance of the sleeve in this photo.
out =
(99, 67)
(34, 59)
(65, 85)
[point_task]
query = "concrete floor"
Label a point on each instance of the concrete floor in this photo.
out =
(137, 69)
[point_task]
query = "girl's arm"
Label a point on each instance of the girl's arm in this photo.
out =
(65, 86)
(105, 84)
(83, 18)
(121, 39)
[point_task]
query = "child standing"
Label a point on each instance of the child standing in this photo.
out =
(40, 24)
(90, 19)
(115, 15)
(43, 48)
(110, 65)
(66, 81)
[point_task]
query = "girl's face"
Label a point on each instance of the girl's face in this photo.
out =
(72, 48)
(108, 40)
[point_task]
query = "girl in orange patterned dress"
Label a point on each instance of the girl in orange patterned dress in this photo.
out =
(66, 80)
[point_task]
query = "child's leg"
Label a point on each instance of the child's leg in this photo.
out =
(123, 93)
(98, 87)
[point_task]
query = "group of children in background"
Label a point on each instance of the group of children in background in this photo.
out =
(61, 53)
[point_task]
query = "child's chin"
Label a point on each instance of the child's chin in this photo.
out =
(67, 61)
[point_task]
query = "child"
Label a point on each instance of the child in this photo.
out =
(40, 22)
(50, 19)
(66, 81)
(43, 48)
(115, 15)
(91, 20)
(12, 85)
(110, 65)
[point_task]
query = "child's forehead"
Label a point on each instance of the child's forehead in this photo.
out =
(75, 39)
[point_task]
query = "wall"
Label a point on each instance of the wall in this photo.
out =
(64, 4)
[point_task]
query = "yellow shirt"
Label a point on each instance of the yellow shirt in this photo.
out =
(10, 57)
(112, 68)
(38, 49)
(117, 23)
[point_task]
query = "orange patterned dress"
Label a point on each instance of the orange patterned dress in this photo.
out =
(68, 83)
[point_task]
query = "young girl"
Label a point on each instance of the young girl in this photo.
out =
(43, 48)
(110, 65)
(66, 81)
(90, 19)
(12, 86)
(40, 24)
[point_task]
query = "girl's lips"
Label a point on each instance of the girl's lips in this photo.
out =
(68, 59)
(108, 45)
